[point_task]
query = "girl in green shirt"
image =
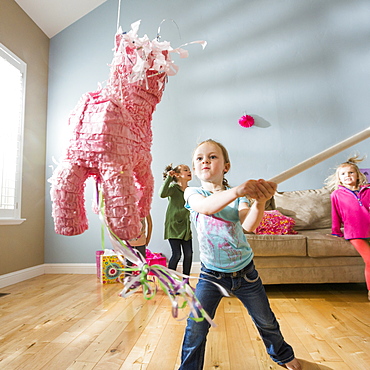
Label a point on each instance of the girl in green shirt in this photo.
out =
(177, 227)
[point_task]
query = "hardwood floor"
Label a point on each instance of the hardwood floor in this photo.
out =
(72, 322)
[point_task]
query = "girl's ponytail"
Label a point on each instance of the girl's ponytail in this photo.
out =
(166, 170)
(169, 168)
(225, 183)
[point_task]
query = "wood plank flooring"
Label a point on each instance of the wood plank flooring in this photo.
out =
(73, 322)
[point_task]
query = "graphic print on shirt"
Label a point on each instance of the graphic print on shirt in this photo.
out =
(217, 236)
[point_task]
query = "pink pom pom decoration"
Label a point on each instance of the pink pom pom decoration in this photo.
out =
(246, 121)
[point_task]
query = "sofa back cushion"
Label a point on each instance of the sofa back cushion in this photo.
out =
(311, 209)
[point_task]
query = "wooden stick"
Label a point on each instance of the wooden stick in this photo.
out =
(310, 162)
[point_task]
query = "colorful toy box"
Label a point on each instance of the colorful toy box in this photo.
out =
(109, 268)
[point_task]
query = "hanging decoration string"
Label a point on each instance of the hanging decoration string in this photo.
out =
(119, 13)
(174, 284)
(159, 29)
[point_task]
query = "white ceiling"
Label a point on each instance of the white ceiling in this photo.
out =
(53, 16)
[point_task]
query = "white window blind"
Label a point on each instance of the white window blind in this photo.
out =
(12, 95)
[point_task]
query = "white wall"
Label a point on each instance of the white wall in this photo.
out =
(302, 68)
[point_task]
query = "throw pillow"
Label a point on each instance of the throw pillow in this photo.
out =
(275, 223)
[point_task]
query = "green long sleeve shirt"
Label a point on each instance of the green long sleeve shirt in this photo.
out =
(177, 221)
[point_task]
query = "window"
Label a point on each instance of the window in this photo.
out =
(12, 94)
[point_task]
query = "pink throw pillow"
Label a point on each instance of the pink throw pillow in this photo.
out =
(275, 223)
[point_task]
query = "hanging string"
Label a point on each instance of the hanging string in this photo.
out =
(159, 29)
(175, 285)
(119, 13)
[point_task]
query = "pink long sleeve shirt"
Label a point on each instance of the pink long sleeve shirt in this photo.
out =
(352, 211)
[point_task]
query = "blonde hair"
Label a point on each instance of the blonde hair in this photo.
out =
(225, 154)
(333, 182)
(170, 167)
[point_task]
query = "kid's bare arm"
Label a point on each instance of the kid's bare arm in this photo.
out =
(260, 190)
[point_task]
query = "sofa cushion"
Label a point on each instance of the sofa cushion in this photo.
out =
(311, 209)
(320, 243)
(277, 245)
(301, 270)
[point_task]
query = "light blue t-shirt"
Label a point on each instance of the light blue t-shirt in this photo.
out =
(222, 243)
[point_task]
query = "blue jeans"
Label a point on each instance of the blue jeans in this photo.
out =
(247, 286)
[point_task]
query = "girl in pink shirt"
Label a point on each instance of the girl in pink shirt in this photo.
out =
(351, 209)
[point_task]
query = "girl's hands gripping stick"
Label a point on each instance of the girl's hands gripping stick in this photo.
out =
(260, 190)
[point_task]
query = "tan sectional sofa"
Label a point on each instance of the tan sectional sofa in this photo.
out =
(312, 255)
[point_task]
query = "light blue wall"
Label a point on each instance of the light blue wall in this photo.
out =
(302, 67)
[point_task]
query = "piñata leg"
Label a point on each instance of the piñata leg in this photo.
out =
(67, 193)
(144, 182)
(120, 200)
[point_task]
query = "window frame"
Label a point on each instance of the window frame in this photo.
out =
(13, 217)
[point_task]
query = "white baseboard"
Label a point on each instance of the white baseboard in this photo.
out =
(70, 268)
(62, 268)
(21, 275)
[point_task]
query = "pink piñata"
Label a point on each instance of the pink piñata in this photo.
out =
(112, 138)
